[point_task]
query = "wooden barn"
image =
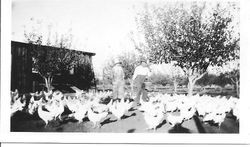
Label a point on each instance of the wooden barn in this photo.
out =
(25, 79)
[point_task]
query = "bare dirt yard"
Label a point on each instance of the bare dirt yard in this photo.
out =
(132, 122)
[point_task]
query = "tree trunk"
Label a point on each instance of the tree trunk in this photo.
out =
(48, 82)
(235, 82)
(191, 82)
(103, 89)
(190, 87)
(237, 88)
(175, 86)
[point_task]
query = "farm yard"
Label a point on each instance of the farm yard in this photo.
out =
(23, 122)
(132, 120)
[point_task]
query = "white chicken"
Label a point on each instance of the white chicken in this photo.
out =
(14, 96)
(55, 107)
(17, 106)
(80, 111)
(99, 107)
(96, 117)
(148, 105)
(187, 108)
(154, 116)
(201, 109)
(175, 120)
(236, 111)
(144, 106)
(171, 106)
(233, 102)
(48, 95)
(72, 104)
(222, 108)
(46, 116)
(219, 119)
(78, 92)
(153, 111)
(208, 117)
(188, 113)
(57, 95)
(153, 121)
(215, 118)
(118, 109)
(33, 105)
(128, 104)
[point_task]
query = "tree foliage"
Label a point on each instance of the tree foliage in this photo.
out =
(212, 79)
(129, 62)
(48, 61)
(190, 35)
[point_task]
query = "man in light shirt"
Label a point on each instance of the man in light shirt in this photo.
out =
(141, 73)
(118, 81)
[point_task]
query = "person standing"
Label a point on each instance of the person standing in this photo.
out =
(118, 81)
(141, 73)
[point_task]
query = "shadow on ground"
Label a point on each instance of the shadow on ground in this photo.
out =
(178, 129)
(127, 116)
(131, 131)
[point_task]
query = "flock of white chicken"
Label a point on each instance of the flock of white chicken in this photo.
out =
(160, 107)
(51, 105)
(210, 109)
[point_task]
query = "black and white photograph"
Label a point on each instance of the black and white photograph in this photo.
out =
(124, 66)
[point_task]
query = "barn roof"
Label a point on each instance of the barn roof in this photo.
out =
(83, 52)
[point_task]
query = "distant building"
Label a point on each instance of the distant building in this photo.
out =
(26, 79)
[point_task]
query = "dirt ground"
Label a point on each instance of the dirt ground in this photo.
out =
(132, 122)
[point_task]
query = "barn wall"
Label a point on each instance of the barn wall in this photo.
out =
(21, 67)
(25, 81)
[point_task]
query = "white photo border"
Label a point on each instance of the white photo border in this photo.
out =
(155, 138)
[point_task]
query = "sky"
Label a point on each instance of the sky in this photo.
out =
(100, 26)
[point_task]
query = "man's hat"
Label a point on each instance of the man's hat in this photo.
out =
(143, 60)
(116, 61)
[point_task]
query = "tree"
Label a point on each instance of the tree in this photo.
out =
(129, 62)
(176, 75)
(84, 76)
(161, 79)
(234, 74)
(48, 62)
(231, 71)
(107, 72)
(190, 35)
(167, 74)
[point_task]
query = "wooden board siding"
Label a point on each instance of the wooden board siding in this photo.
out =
(22, 77)
(21, 67)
